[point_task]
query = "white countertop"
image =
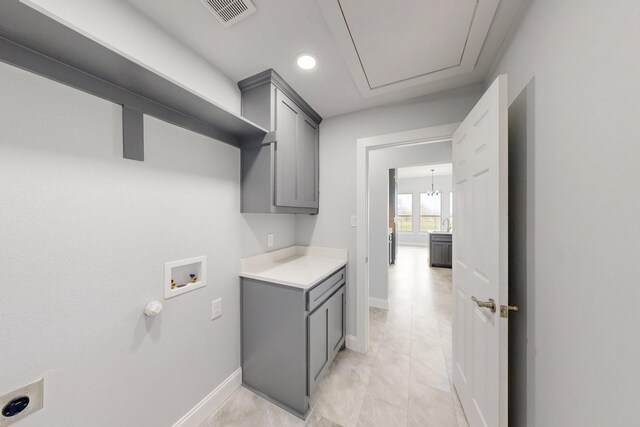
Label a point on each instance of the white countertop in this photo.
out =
(296, 266)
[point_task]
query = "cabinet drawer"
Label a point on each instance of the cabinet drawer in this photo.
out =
(321, 292)
(441, 237)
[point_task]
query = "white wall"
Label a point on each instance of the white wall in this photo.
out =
(380, 161)
(122, 28)
(338, 135)
(84, 237)
(415, 186)
(583, 292)
(255, 228)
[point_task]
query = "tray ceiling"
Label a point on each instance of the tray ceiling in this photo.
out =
(390, 45)
(401, 43)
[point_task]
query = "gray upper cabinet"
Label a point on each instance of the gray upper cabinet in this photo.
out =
(287, 121)
(279, 171)
(307, 179)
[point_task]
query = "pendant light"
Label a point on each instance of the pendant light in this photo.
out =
(432, 192)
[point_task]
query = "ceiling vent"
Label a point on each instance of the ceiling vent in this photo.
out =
(228, 12)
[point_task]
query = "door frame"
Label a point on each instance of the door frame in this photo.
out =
(360, 342)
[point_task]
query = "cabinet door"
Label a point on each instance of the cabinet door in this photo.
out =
(438, 251)
(307, 180)
(318, 324)
(336, 321)
(449, 254)
(287, 123)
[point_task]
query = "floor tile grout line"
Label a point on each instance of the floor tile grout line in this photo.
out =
(433, 308)
(451, 385)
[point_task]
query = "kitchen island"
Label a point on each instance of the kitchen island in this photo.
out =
(440, 249)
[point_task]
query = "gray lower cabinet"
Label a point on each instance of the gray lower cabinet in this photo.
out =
(279, 171)
(326, 336)
(318, 345)
(440, 250)
(336, 323)
(290, 336)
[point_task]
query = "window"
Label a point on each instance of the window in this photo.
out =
(430, 212)
(405, 212)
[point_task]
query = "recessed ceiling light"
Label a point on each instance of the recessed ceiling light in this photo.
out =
(306, 61)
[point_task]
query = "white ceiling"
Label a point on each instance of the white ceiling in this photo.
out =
(444, 169)
(391, 45)
(280, 30)
(401, 40)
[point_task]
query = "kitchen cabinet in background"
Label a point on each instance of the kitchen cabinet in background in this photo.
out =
(440, 249)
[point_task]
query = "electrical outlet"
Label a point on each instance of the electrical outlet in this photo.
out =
(19, 403)
(216, 308)
(270, 239)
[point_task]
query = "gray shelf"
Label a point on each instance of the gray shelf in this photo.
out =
(37, 43)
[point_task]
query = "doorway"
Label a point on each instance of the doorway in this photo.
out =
(420, 219)
(411, 301)
(364, 149)
(409, 159)
(480, 283)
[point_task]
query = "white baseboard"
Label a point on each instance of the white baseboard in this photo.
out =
(379, 303)
(207, 406)
(352, 343)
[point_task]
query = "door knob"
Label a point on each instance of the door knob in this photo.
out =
(491, 304)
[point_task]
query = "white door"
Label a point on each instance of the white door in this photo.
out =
(480, 259)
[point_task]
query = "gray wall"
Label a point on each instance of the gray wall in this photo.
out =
(582, 288)
(416, 186)
(521, 254)
(338, 135)
(380, 161)
(85, 235)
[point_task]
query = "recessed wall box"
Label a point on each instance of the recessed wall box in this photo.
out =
(184, 276)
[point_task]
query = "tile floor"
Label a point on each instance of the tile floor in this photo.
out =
(404, 379)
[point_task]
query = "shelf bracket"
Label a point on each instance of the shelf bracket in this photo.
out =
(132, 134)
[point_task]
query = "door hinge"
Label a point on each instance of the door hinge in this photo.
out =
(505, 309)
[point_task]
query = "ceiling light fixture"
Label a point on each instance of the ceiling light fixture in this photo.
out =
(306, 61)
(433, 192)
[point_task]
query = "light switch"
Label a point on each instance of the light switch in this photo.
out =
(216, 308)
(354, 220)
(270, 239)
